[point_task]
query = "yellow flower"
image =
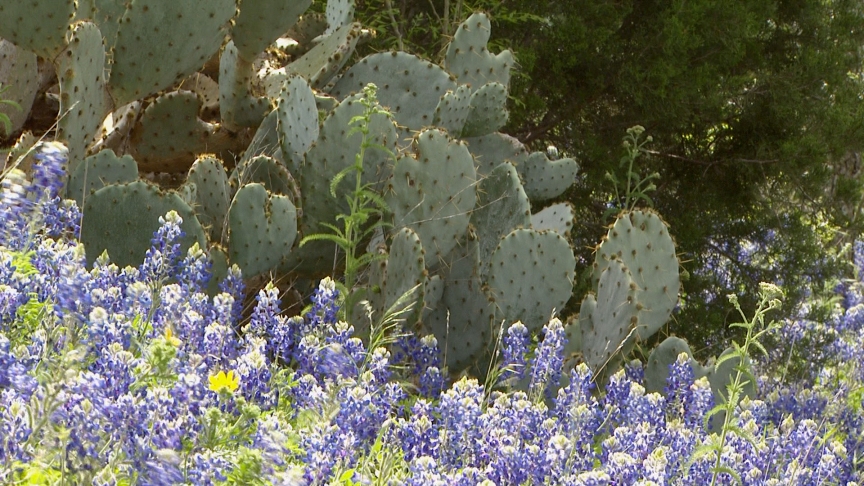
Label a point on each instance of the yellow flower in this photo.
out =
(220, 381)
(169, 336)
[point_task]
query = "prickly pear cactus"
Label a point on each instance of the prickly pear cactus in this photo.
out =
(609, 321)
(97, 171)
(212, 194)
(18, 74)
(469, 59)
(262, 228)
(487, 111)
(502, 206)
(297, 121)
(186, 33)
(408, 86)
(557, 217)
(39, 27)
(84, 100)
(433, 192)
(640, 240)
(531, 276)
(121, 219)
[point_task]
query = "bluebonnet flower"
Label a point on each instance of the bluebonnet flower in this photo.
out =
(162, 258)
(193, 272)
(460, 409)
(233, 285)
(513, 354)
(254, 371)
(15, 427)
(418, 434)
(324, 306)
(548, 360)
(15, 210)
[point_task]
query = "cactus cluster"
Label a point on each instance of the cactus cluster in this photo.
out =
(470, 249)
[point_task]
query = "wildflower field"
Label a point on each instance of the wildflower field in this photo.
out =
(121, 376)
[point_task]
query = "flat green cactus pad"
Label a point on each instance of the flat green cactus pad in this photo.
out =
(531, 277)
(267, 172)
(239, 107)
(404, 278)
(38, 26)
(640, 239)
(159, 43)
(121, 219)
(609, 321)
(213, 194)
(338, 13)
(468, 57)
(433, 191)
(558, 217)
(84, 101)
(453, 109)
(18, 73)
(106, 14)
(97, 171)
(297, 121)
(261, 22)
(265, 141)
(463, 320)
(491, 150)
(262, 228)
(408, 86)
(487, 112)
(502, 206)
(546, 179)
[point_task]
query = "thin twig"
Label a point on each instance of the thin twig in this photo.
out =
(395, 24)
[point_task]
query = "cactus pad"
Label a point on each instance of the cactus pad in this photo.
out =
(433, 192)
(239, 107)
(261, 22)
(97, 171)
(169, 134)
(531, 276)
(495, 148)
(122, 218)
(212, 194)
(408, 86)
(487, 112)
(38, 26)
(405, 270)
(84, 102)
(501, 207)
(18, 72)
(557, 217)
(261, 229)
(608, 322)
(469, 59)
(297, 121)
(159, 43)
(453, 109)
(641, 241)
(322, 62)
(338, 13)
(546, 179)
(267, 172)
